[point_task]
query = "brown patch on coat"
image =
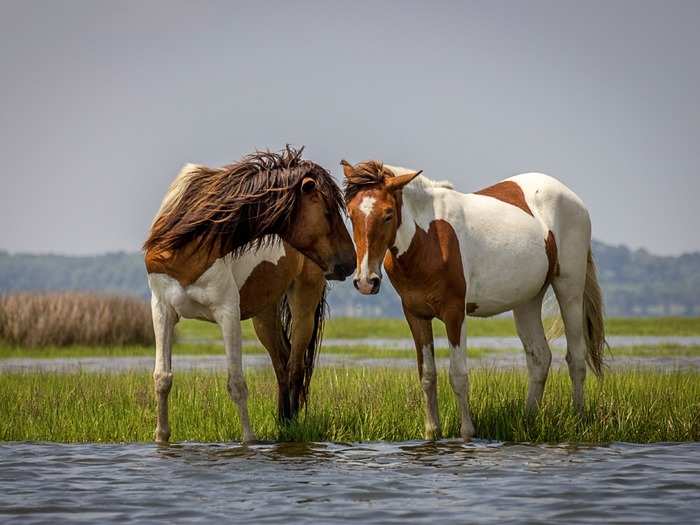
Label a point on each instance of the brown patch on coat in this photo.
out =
(185, 265)
(429, 277)
(471, 308)
(268, 282)
(550, 248)
(509, 192)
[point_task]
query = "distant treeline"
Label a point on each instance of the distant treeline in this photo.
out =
(635, 282)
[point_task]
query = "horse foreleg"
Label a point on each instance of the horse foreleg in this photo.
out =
(422, 331)
(456, 325)
(304, 297)
(269, 330)
(164, 319)
(229, 319)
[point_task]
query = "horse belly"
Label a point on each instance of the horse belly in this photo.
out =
(506, 269)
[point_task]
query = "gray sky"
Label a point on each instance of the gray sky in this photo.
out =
(102, 102)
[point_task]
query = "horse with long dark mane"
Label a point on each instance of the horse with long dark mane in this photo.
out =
(256, 238)
(450, 254)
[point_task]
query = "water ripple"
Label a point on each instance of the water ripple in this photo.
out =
(413, 481)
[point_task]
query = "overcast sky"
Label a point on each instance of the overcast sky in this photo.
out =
(102, 102)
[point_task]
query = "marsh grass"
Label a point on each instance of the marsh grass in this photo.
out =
(74, 318)
(354, 328)
(350, 404)
(359, 351)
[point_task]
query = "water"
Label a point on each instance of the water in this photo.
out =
(218, 362)
(495, 342)
(417, 482)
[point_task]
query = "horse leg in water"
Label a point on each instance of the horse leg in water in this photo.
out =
(305, 297)
(164, 319)
(456, 326)
(228, 316)
(269, 329)
(422, 331)
(528, 322)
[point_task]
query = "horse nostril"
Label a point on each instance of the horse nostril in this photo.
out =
(354, 283)
(375, 281)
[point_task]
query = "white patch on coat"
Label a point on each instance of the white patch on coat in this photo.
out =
(208, 293)
(492, 234)
(367, 205)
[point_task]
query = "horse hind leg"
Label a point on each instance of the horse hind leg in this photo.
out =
(164, 320)
(569, 290)
(528, 322)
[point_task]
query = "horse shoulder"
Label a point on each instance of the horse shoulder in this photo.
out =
(264, 275)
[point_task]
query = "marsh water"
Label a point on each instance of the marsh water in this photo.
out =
(493, 356)
(412, 482)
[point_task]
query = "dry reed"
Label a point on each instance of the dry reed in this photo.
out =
(74, 318)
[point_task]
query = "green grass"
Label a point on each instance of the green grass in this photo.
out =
(349, 405)
(359, 351)
(353, 328)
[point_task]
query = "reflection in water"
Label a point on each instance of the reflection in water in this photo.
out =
(448, 481)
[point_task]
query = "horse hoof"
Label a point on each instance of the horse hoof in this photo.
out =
(467, 433)
(162, 436)
(432, 434)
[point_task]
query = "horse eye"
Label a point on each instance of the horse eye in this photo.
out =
(388, 217)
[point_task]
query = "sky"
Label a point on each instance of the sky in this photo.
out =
(102, 102)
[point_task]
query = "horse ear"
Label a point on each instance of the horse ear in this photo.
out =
(347, 168)
(398, 182)
(308, 185)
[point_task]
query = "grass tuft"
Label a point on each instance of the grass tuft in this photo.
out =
(350, 404)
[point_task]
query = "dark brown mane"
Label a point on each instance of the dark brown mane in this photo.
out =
(365, 175)
(225, 209)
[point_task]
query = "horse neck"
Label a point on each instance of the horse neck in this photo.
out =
(416, 208)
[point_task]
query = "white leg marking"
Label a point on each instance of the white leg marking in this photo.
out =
(229, 319)
(429, 384)
(164, 319)
(459, 381)
(528, 321)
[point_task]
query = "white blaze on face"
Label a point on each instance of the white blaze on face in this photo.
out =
(363, 273)
(367, 205)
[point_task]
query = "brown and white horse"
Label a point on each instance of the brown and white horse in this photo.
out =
(449, 254)
(212, 226)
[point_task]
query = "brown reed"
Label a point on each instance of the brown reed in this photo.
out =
(74, 318)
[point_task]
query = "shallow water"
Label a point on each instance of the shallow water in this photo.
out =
(497, 343)
(413, 482)
(213, 363)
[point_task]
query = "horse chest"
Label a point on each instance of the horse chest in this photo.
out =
(429, 276)
(263, 276)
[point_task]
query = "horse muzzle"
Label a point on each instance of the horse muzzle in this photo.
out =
(368, 286)
(341, 271)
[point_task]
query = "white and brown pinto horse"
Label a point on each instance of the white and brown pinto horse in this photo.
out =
(214, 253)
(449, 254)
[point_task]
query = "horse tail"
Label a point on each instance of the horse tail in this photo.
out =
(314, 345)
(594, 326)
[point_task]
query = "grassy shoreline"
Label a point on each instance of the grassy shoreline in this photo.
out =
(359, 351)
(355, 404)
(356, 328)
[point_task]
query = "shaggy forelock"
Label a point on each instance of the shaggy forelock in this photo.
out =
(365, 175)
